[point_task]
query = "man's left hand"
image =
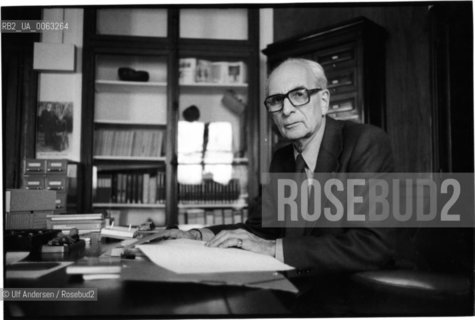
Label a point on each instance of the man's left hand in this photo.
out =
(241, 238)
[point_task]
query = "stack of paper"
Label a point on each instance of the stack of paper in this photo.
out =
(190, 256)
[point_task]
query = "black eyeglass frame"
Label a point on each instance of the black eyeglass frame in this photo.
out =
(309, 92)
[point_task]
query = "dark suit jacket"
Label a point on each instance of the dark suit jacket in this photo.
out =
(346, 147)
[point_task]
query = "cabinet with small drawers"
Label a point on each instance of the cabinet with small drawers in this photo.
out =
(58, 175)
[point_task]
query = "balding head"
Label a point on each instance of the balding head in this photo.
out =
(315, 69)
(301, 114)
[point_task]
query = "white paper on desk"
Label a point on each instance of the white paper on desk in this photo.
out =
(16, 256)
(190, 256)
(33, 270)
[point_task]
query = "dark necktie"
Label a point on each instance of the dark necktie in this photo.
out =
(295, 229)
(300, 164)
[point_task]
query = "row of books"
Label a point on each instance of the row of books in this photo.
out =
(85, 222)
(211, 217)
(131, 187)
(128, 142)
(192, 70)
(209, 191)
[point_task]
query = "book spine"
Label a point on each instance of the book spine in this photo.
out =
(140, 188)
(114, 191)
(145, 188)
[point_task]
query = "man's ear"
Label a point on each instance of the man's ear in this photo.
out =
(325, 101)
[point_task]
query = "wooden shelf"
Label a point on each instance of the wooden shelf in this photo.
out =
(232, 205)
(129, 205)
(127, 86)
(124, 158)
(211, 85)
(128, 123)
(235, 161)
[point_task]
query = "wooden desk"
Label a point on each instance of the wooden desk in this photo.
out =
(322, 296)
(120, 298)
(117, 297)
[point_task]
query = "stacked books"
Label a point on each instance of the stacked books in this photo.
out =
(133, 187)
(209, 191)
(85, 222)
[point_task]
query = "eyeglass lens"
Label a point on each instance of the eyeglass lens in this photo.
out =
(297, 97)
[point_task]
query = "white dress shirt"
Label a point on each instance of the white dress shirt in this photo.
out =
(310, 156)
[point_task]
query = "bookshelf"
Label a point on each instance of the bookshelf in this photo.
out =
(216, 86)
(134, 129)
(127, 205)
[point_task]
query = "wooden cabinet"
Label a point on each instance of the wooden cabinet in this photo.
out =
(136, 144)
(352, 55)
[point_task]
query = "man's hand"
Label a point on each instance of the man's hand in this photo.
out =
(243, 239)
(179, 234)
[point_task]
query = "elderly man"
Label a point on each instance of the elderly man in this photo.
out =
(298, 101)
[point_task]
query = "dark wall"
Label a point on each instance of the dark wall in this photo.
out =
(408, 69)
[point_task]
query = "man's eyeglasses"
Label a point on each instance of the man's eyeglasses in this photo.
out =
(297, 97)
